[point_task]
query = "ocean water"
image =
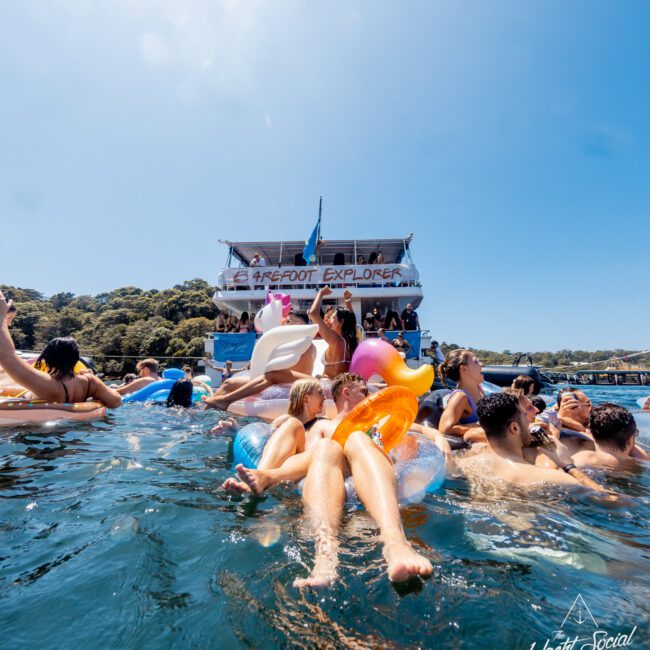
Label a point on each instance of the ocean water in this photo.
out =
(116, 534)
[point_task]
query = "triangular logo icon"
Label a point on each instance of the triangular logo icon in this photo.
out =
(579, 613)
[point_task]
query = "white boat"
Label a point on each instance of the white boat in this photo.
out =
(392, 284)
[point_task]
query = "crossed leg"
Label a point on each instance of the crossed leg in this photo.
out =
(293, 469)
(286, 442)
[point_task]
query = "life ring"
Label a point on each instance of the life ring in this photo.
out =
(23, 411)
(397, 403)
(376, 357)
(419, 464)
(274, 401)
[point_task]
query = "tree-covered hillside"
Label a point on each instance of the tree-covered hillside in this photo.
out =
(562, 358)
(120, 326)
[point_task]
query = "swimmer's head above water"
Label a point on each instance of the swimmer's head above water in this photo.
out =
(349, 387)
(305, 395)
(60, 356)
(501, 415)
(613, 425)
(462, 365)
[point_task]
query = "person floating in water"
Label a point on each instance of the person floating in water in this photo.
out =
(147, 370)
(459, 417)
(324, 465)
(238, 388)
(59, 382)
(180, 394)
(292, 433)
(614, 431)
(505, 421)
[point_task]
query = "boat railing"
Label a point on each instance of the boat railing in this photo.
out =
(235, 346)
(248, 278)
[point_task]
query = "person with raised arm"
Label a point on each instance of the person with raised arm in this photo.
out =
(59, 383)
(339, 332)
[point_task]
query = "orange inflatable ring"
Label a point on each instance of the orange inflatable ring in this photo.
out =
(396, 402)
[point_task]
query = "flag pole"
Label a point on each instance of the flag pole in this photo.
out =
(320, 212)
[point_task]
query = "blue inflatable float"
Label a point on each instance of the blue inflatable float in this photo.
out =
(419, 463)
(158, 391)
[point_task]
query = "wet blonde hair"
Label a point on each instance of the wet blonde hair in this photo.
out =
(299, 390)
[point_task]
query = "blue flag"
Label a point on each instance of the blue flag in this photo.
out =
(309, 251)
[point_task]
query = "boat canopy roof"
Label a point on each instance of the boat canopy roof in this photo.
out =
(285, 253)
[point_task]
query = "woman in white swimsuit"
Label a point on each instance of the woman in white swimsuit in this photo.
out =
(339, 332)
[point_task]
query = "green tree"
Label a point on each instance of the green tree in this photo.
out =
(193, 328)
(60, 300)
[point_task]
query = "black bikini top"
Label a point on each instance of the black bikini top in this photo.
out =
(310, 423)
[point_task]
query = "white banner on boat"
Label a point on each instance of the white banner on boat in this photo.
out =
(292, 275)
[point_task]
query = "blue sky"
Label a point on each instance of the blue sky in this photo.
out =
(512, 137)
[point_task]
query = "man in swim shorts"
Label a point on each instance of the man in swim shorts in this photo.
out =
(614, 431)
(325, 466)
(147, 370)
(506, 425)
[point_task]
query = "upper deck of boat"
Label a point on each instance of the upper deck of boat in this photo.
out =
(243, 285)
(337, 263)
(339, 252)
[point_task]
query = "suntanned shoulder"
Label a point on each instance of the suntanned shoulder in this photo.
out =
(602, 460)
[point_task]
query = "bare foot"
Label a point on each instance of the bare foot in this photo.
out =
(211, 403)
(256, 479)
(236, 487)
(315, 580)
(404, 562)
(223, 425)
(324, 572)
